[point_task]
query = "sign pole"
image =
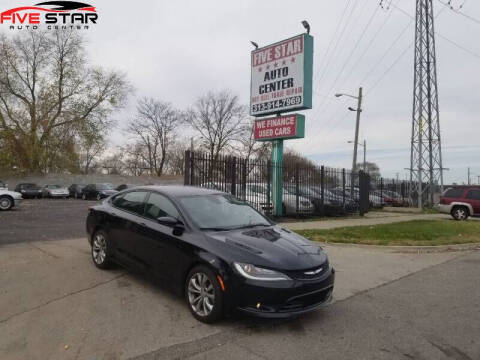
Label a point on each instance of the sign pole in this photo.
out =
(277, 176)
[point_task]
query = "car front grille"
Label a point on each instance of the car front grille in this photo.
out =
(309, 274)
(305, 301)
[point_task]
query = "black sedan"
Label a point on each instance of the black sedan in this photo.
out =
(75, 190)
(98, 191)
(29, 190)
(216, 251)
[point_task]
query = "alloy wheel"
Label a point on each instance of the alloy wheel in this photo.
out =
(5, 203)
(99, 248)
(201, 294)
(460, 214)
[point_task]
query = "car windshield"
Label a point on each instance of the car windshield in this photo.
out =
(221, 212)
(30, 186)
(104, 186)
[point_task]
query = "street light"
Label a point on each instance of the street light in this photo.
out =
(306, 25)
(358, 110)
(364, 145)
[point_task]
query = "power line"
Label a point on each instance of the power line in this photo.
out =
(442, 36)
(457, 11)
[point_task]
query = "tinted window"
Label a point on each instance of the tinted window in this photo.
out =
(454, 193)
(473, 194)
(131, 201)
(159, 206)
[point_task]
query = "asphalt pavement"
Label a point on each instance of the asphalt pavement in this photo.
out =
(45, 220)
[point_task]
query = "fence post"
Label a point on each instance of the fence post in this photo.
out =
(244, 179)
(322, 188)
(269, 181)
(192, 168)
(234, 176)
(296, 189)
(343, 183)
(381, 189)
(186, 172)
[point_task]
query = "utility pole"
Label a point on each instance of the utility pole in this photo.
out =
(357, 127)
(364, 156)
(468, 182)
(426, 168)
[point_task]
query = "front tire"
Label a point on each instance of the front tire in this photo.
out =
(460, 213)
(204, 295)
(101, 250)
(6, 203)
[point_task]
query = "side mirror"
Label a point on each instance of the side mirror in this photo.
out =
(178, 226)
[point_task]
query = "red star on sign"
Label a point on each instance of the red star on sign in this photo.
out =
(292, 59)
(276, 64)
(260, 69)
(268, 67)
(284, 62)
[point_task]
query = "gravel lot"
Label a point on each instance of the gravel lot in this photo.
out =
(44, 219)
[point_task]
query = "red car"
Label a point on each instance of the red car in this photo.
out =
(460, 202)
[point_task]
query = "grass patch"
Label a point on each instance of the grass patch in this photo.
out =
(411, 233)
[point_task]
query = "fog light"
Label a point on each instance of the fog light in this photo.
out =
(258, 305)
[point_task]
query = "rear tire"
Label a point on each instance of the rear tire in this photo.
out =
(6, 203)
(460, 213)
(203, 295)
(101, 253)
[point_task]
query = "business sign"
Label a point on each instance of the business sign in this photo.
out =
(281, 76)
(50, 15)
(282, 127)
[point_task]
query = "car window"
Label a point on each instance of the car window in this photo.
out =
(454, 193)
(473, 194)
(132, 202)
(159, 206)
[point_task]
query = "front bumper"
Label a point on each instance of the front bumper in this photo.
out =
(284, 299)
(444, 209)
(59, 195)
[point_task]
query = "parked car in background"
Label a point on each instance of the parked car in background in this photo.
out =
(98, 191)
(460, 202)
(124, 187)
(75, 190)
(29, 190)
(390, 198)
(335, 203)
(9, 199)
(217, 252)
(3, 185)
(55, 191)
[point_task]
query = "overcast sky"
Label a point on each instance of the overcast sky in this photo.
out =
(178, 50)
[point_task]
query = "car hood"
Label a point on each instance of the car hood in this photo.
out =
(271, 247)
(14, 194)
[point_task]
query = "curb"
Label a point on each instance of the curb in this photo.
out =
(411, 249)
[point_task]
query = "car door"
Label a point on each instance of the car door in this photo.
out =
(473, 198)
(125, 223)
(162, 249)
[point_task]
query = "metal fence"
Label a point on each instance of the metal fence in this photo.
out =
(308, 190)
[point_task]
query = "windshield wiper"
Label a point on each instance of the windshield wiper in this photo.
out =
(215, 229)
(248, 226)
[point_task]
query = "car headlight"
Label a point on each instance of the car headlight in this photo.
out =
(256, 273)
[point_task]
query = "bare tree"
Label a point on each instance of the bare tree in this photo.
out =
(154, 129)
(134, 159)
(176, 161)
(45, 86)
(91, 146)
(249, 147)
(219, 119)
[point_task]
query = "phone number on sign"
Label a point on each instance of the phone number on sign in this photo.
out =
(277, 104)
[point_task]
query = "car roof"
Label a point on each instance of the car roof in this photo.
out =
(181, 190)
